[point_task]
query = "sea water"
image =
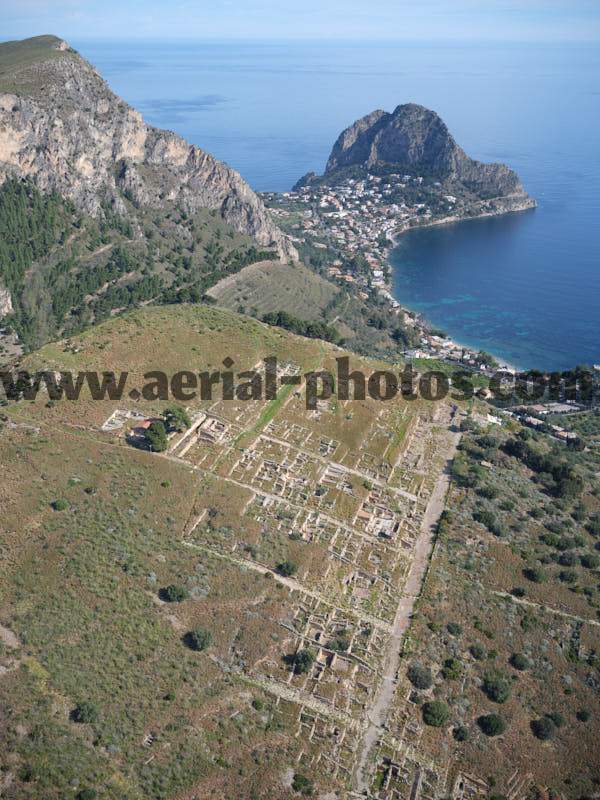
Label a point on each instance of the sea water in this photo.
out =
(525, 287)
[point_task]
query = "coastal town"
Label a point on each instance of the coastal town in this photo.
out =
(353, 225)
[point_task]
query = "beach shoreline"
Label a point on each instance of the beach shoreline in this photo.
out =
(426, 326)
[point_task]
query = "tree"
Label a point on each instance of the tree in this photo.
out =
(436, 713)
(86, 794)
(302, 661)
(419, 676)
(496, 687)
(543, 728)
(156, 437)
(287, 568)
(491, 724)
(198, 639)
(85, 712)
(176, 418)
(174, 593)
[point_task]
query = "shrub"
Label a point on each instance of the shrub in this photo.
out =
(496, 687)
(593, 525)
(567, 576)
(419, 676)
(490, 521)
(535, 574)
(85, 712)
(60, 504)
(519, 661)
(198, 639)
(174, 593)
(590, 561)
(436, 713)
(557, 718)
(478, 651)
(302, 784)
(302, 661)
(461, 733)
(454, 628)
(518, 591)
(543, 728)
(489, 492)
(452, 669)
(551, 539)
(568, 559)
(565, 543)
(491, 724)
(287, 568)
(340, 643)
(583, 715)
(86, 794)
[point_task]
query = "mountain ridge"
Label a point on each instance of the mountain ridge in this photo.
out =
(62, 126)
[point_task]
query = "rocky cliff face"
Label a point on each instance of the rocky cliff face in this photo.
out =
(417, 139)
(6, 306)
(62, 126)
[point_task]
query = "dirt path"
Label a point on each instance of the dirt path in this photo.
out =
(377, 713)
(547, 609)
(292, 584)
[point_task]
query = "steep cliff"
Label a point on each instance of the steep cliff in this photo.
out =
(417, 140)
(62, 126)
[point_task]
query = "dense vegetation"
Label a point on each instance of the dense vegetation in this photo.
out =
(65, 271)
(313, 330)
(31, 224)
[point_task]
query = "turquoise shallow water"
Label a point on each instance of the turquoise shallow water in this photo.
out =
(509, 285)
(525, 287)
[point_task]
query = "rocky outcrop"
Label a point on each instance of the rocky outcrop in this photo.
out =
(63, 127)
(6, 306)
(415, 139)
